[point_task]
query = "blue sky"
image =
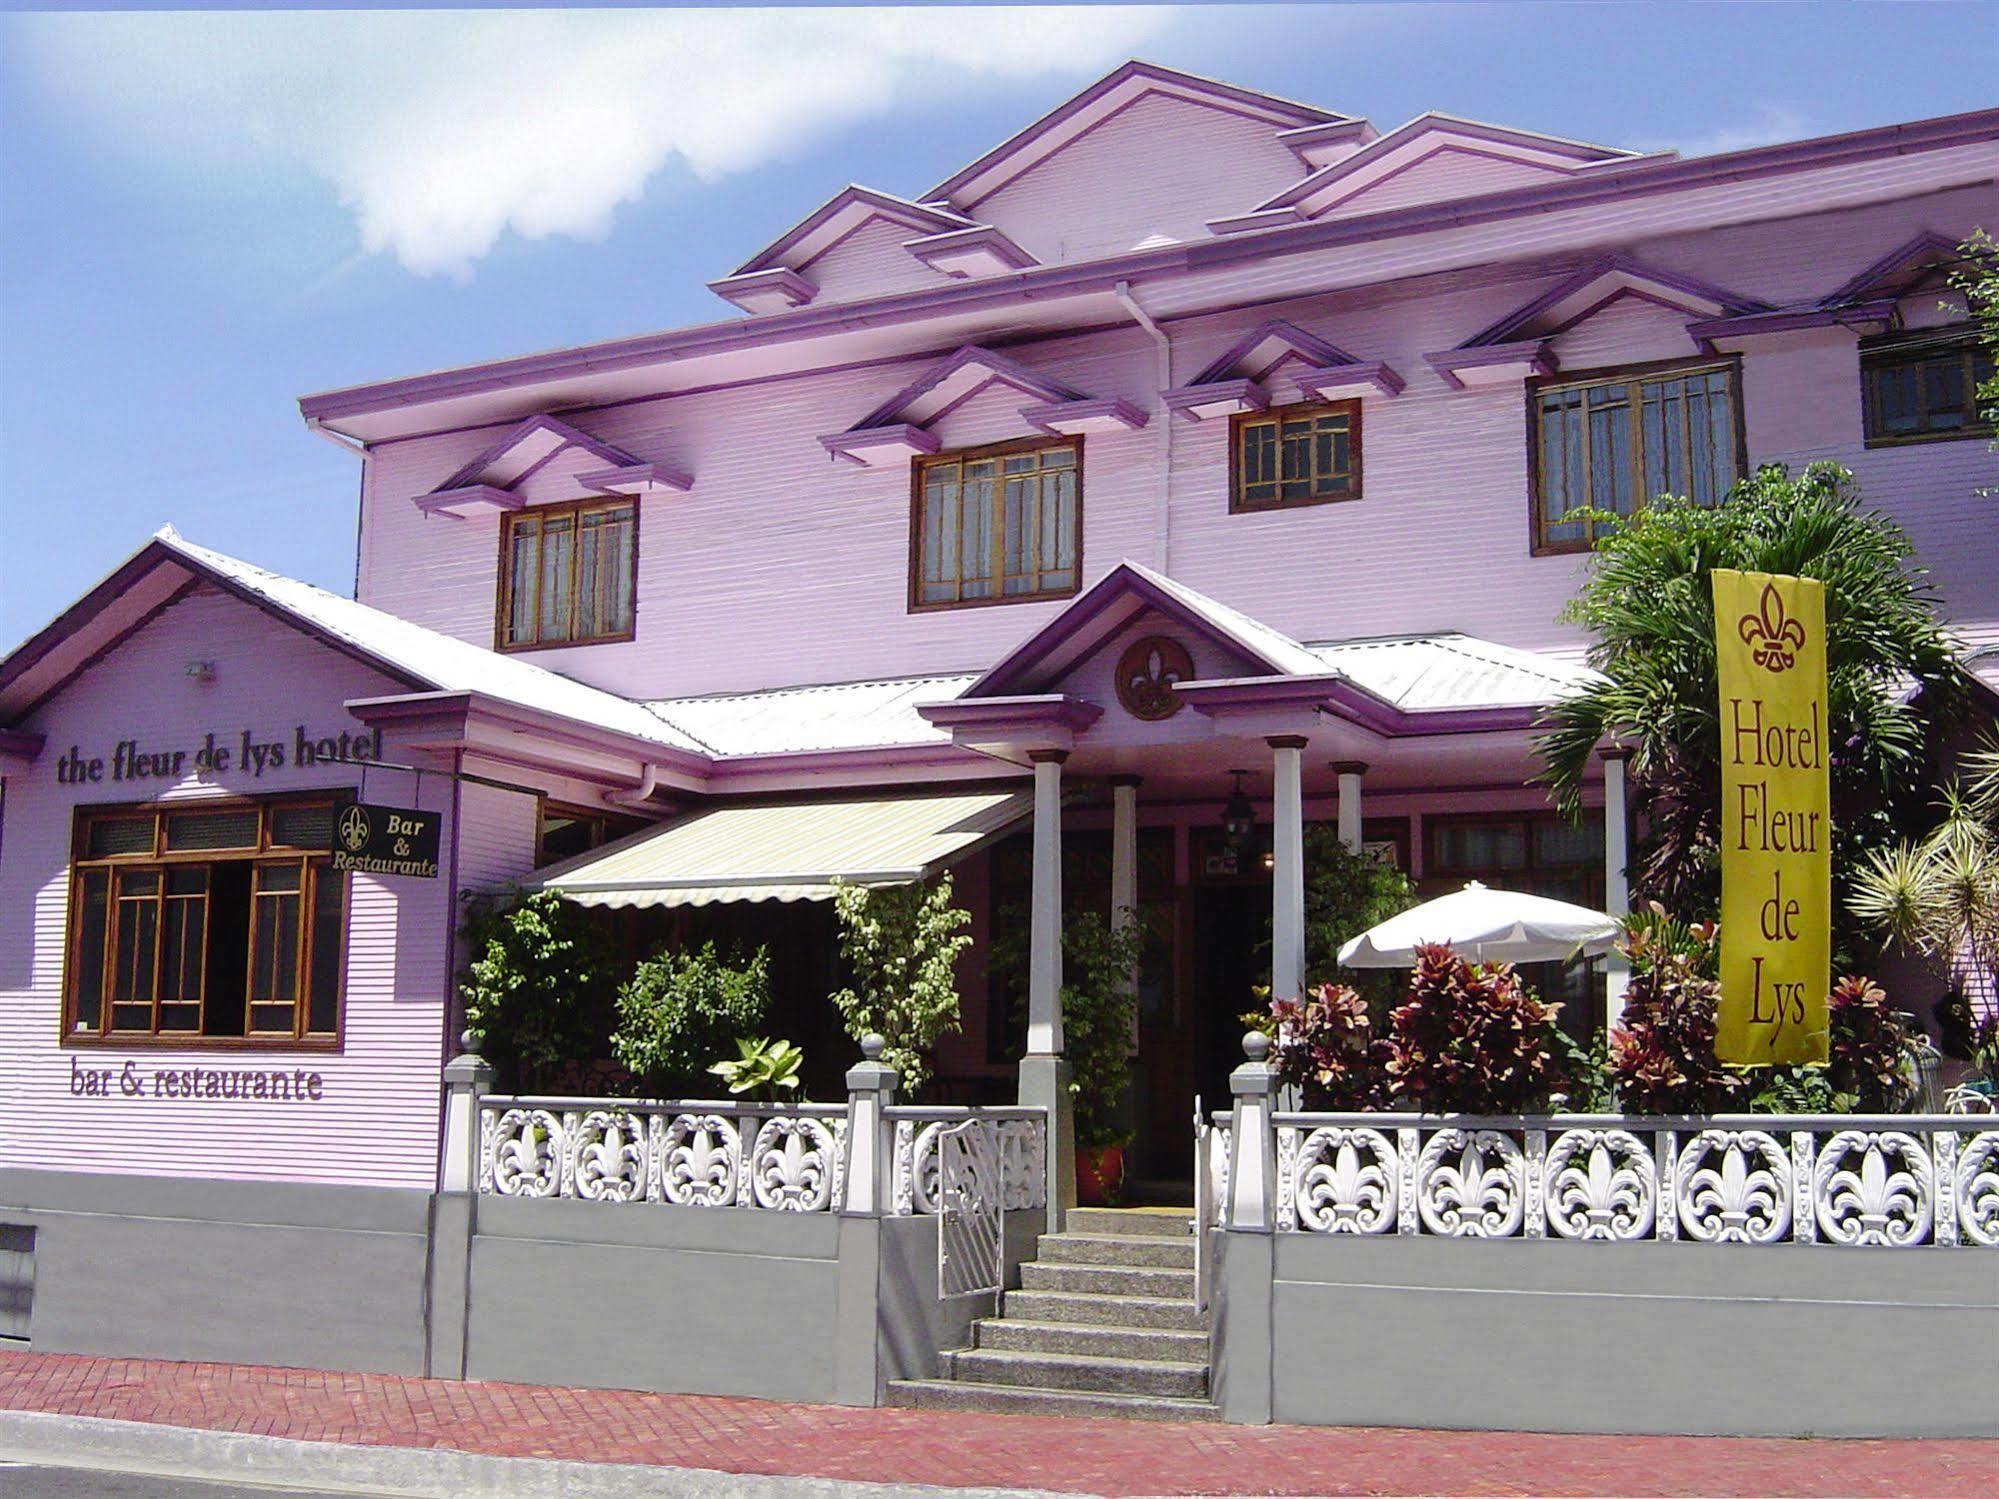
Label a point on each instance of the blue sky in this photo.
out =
(204, 216)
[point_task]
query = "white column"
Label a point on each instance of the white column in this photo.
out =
(1350, 772)
(1287, 879)
(1044, 964)
(1124, 867)
(1616, 877)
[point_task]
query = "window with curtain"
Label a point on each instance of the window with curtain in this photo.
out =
(1924, 387)
(1297, 455)
(566, 574)
(204, 923)
(1611, 443)
(997, 525)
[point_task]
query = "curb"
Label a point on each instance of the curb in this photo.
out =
(92, 1442)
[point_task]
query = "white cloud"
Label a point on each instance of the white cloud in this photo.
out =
(442, 131)
(1768, 125)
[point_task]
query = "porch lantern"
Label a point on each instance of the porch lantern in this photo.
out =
(1238, 816)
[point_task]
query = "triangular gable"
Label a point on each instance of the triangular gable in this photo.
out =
(1610, 279)
(1107, 606)
(410, 655)
(1027, 148)
(1353, 175)
(493, 480)
(1517, 345)
(897, 429)
(1236, 379)
(839, 216)
(1903, 270)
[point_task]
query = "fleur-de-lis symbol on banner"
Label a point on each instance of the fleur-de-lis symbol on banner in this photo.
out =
(1773, 637)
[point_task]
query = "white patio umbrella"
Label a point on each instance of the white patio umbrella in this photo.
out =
(1487, 926)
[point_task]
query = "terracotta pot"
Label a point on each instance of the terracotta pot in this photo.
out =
(1099, 1175)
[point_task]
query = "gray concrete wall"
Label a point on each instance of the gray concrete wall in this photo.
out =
(640, 1296)
(238, 1272)
(1559, 1336)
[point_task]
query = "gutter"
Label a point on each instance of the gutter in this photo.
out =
(1162, 505)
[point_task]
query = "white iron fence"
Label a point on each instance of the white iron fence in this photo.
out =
(1891, 1180)
(701, 1153)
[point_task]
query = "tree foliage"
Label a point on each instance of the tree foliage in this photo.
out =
(1099, 1013)
(1649, 605)
(536, 987)
(1977, 276)
(682, 1010)
(901, 945)
(1345, 894)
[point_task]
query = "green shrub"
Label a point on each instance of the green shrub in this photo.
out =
(1662, 1055)
(901, 945)
(763, 1067)
(681, 1010)
(1099, 1011)
(535, 989)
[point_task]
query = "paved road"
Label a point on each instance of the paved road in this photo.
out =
(26, 1481)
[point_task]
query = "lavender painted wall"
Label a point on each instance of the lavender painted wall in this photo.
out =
(781, 567)
(377, 1119)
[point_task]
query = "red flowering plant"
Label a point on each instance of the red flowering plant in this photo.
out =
(1662, 1053)
(1325, 1045)
(1872, 1057)
(1472, 1039)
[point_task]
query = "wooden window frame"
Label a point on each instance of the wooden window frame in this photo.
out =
(1350, 409)
(1962, 339)
(548, 806)
(503, 611)
(1612, 375)
(919, 466)
(314, 865)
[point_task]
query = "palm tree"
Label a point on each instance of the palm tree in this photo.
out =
(1891, 670)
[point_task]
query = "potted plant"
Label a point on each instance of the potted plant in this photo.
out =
(762, 1067)
(1099, 1012)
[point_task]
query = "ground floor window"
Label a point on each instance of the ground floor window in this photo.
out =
(212, 921)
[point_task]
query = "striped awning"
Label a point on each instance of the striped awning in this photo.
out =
(787, 850)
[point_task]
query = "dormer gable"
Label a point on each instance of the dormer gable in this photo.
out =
(544, 452)
(1524, 342)
(1433, 158)
(898, 429)
(1240, 378)
(781, 275)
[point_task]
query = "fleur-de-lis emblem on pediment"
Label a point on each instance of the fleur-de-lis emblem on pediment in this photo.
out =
(1773, 637)
(1146, 673)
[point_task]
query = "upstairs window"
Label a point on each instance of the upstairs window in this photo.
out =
(1610, 443)
(1924, 387)
(1299, 455)
(200, 923)
(997, 525)
(566, 574)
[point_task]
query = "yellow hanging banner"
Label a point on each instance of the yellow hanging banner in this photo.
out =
(1776, 819)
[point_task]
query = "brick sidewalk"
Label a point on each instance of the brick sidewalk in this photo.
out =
(1093, 1457)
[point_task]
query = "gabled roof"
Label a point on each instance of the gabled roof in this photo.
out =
(1082, 112)
(492, 480)
(1354, 173)
(849, 208)
(1608, 279)
(1900, 271)
(1101, 609)
(420, 659)
(1264, 347)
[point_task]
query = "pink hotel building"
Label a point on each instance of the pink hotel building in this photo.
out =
(1189, 431)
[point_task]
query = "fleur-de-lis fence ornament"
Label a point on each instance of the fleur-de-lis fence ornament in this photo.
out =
(698, 1168)
(1773, 637)
(1887, 1199)
(1471, 1184)
(1346, 1181)
(527, 1153)
(610, 1156)
(791, 1168)
(1734, 1201)
(1599, 1185)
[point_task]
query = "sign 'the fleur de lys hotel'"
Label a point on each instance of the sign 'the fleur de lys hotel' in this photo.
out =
(1776, 823)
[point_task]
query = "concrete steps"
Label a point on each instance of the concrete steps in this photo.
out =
(1104, 1323)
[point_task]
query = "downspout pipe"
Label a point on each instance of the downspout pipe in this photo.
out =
(640, 794)
(1162, 505)
(359, 449)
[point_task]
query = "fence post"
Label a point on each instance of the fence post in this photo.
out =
(871, 1085)
(866, 1201)
(1244, 1310)
(454, 1216)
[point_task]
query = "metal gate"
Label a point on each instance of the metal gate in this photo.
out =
(971, 1216)
(17, 1280)
(1204, 1206)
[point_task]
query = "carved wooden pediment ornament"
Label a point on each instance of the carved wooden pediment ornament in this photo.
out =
(1146, 673)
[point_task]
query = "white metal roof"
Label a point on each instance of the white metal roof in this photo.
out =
(845, 715)
(786, 850)
(445, 663)
(1420, 673)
